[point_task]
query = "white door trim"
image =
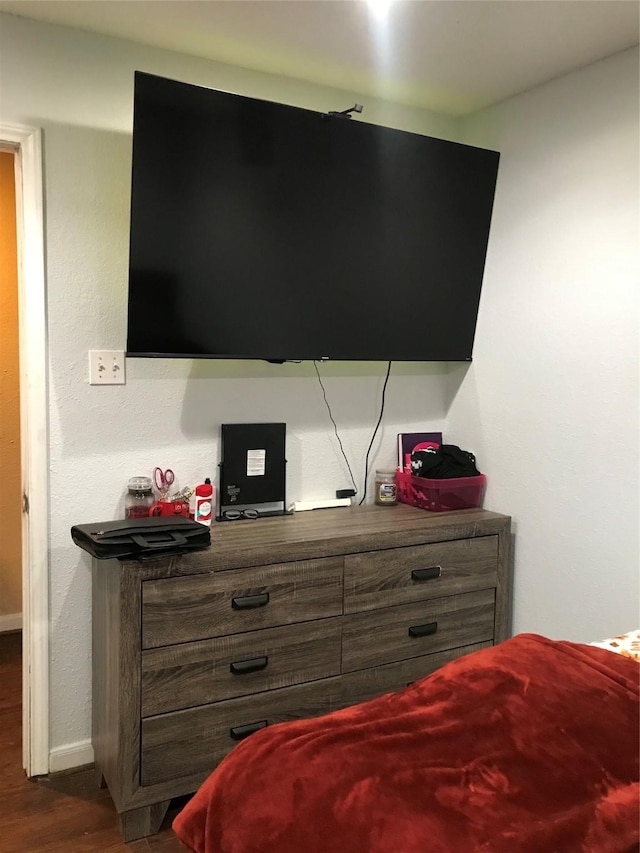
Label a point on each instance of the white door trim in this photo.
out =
(26, 142)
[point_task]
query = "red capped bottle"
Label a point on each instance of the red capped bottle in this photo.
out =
(204, 502)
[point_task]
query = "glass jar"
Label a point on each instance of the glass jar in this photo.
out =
(140, 498)
(386, 490)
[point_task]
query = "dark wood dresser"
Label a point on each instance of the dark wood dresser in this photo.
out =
(280, 618)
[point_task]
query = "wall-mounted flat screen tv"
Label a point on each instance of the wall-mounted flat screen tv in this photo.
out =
(266, 231)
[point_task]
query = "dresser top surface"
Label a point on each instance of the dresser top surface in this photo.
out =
(325, 533)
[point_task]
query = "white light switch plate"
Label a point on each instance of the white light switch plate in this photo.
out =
(106, 367)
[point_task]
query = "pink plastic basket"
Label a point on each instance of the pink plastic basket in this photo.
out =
(441, 495)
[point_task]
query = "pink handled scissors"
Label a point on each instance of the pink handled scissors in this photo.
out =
(163, 480)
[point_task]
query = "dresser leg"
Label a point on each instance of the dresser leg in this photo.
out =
(101, 782)
(140, 822)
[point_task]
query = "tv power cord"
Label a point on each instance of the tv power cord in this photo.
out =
(348, 493)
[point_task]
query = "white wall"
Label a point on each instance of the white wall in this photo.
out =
(79, 89)
(550, 403)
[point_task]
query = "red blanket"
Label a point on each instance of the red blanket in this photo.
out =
(528, 746)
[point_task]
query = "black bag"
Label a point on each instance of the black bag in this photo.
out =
(141, 538)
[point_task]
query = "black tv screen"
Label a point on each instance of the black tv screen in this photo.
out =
(266, 231)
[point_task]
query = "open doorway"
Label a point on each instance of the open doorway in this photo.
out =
(21, 150)
(10, 465)
(10, 457)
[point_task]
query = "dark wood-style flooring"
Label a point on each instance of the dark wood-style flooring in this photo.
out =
(66, 812)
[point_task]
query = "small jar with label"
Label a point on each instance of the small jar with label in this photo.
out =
(139, 499)
(386, 490)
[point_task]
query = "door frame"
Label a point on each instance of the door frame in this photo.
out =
(26, 143)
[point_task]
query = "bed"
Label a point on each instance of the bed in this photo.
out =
(530, 746)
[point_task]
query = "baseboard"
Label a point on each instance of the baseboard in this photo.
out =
(11, 622)
(70, 756)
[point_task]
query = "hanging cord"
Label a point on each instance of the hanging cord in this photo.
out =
(335, 427)
(366, 463)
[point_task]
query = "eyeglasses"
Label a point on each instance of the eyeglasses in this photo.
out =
(235, 514)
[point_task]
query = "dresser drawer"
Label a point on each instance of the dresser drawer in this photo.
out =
(411, 630)
(191, 674)
(179, 610)
(368, 683)
(401, 575)
(189, 742)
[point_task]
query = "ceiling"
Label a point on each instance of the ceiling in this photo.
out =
(451, 56)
